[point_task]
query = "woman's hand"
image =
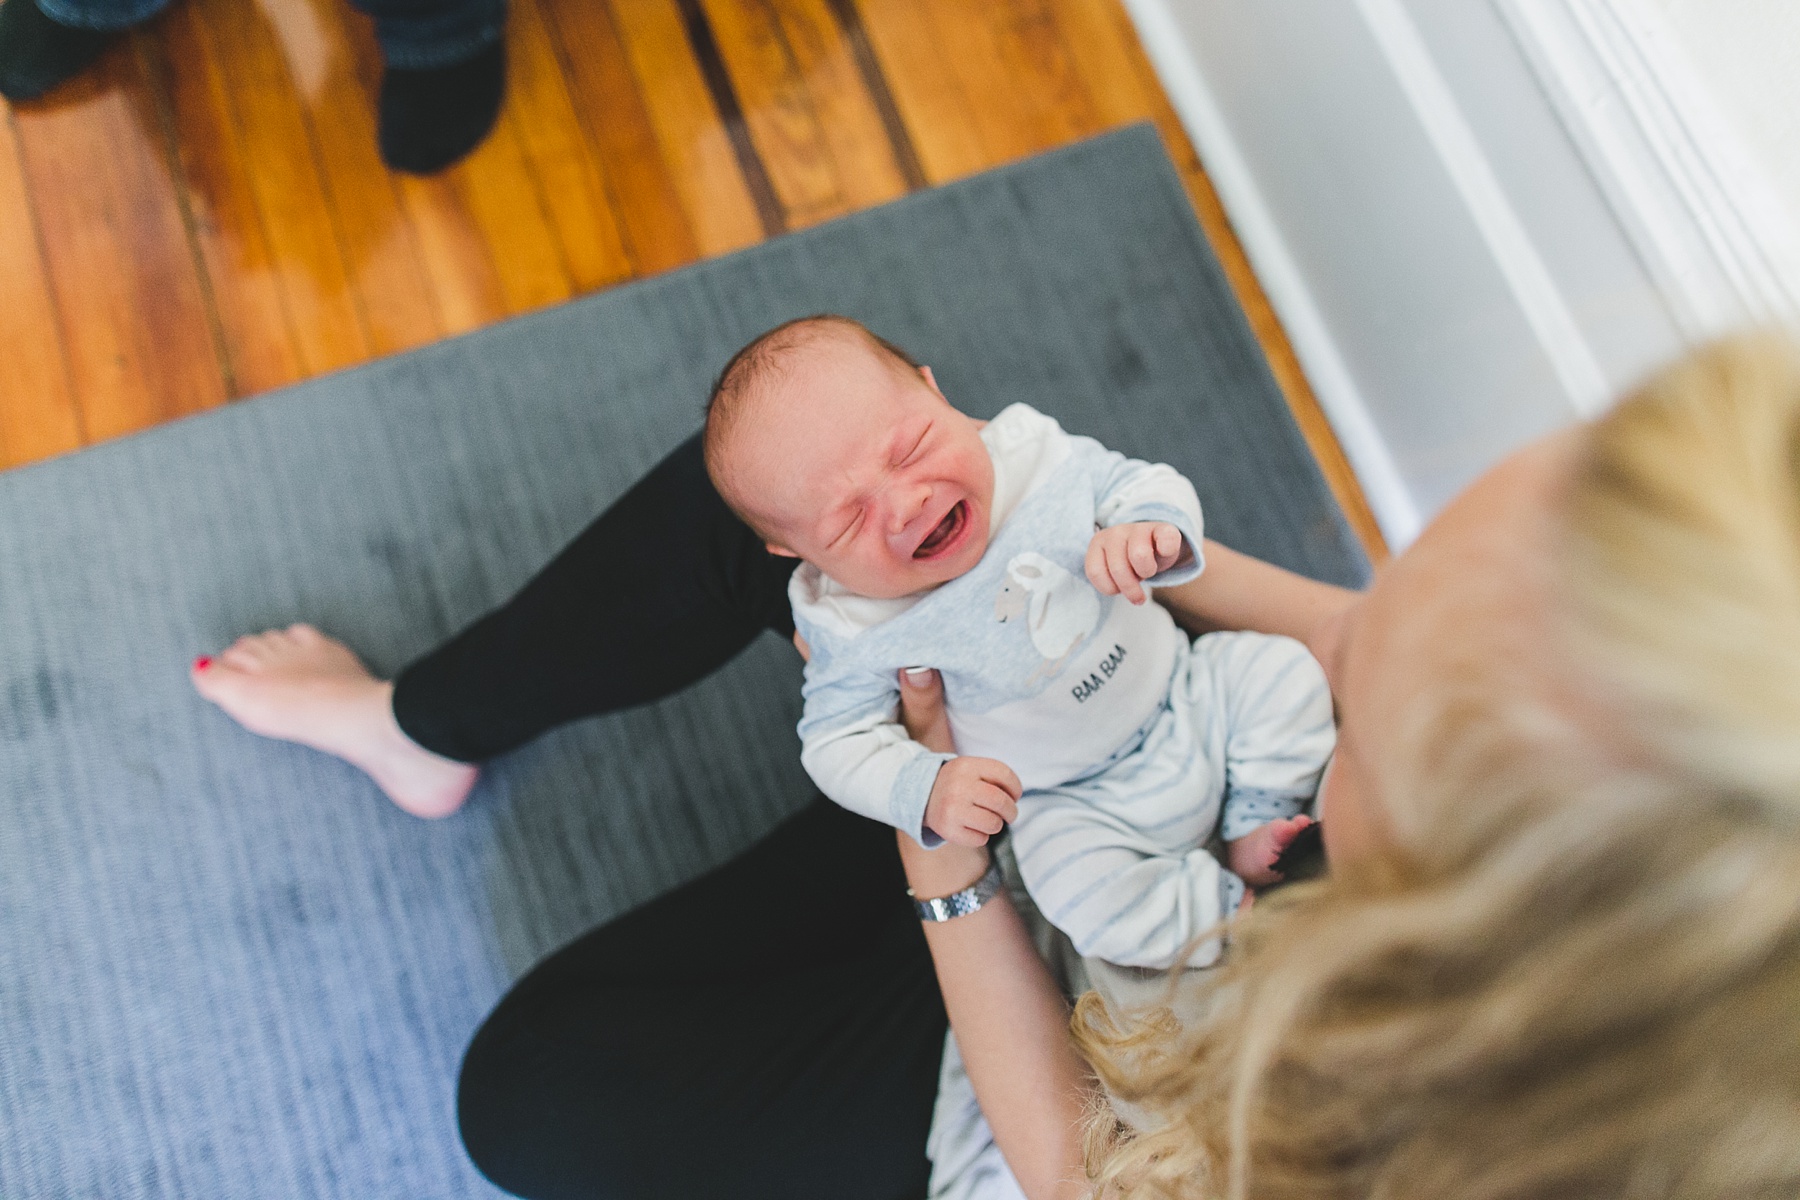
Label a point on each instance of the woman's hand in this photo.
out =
(1008, 1014)
(949, 868)
(922, 710)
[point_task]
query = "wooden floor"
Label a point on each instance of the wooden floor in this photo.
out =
(204, 217)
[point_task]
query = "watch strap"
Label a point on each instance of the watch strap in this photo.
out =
(961, 904)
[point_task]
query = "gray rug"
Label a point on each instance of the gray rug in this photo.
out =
(228, 968)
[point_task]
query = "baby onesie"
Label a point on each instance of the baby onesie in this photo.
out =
(1129, 740)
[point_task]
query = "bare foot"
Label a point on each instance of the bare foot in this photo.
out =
(1252, 857)
(297, 685)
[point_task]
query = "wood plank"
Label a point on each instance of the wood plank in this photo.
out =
(123, 273)
(689, 133)
(266, 78)
(868, 158)
(394, 291)
(1101, 49)
(778, 112)
(1123, 85)
(617, 123)
(459, 269)
(503, 199)
(703, 44)
(456, 258)
(241, 265)
(1009, 56)
(480, 226)
(38, 417)
(567, 168)
(1119, 79)
(926, 89)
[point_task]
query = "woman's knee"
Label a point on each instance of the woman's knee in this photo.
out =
(487, 1089)
(513, 1110)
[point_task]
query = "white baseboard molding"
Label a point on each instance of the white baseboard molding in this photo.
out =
(1477, 278)
(1332, 382)
(1539, 298)
(1705, 223)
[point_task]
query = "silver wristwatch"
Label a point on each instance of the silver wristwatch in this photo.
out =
(961, 904)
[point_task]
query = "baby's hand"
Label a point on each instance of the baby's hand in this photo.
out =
(1119, 559)
(973, 799)
(1252, 857)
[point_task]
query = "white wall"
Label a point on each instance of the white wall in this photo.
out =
(1462, 211)
(1747, 54)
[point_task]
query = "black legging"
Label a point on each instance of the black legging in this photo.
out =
(772, 1029)
(664, 588)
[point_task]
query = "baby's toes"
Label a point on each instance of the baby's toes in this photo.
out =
(1284, 831)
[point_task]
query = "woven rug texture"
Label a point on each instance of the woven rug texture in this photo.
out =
(228, 967)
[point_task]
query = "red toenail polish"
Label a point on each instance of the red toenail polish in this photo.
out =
(201, 663)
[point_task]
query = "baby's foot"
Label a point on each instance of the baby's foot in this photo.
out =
(1252, 857)
(298, 685)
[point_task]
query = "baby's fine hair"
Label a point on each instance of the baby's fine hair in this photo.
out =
(762, 361)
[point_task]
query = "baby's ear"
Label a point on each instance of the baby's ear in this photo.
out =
(779, 551)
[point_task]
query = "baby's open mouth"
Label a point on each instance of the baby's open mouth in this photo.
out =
(946, 529)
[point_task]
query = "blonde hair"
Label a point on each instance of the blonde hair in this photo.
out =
(1586, 980)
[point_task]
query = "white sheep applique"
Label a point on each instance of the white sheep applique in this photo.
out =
(1060, 609)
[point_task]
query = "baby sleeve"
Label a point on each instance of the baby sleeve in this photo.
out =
(854, 747)
(1128, 490)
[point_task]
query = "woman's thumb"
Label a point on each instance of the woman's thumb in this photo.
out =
(918, 679)
(922, 709)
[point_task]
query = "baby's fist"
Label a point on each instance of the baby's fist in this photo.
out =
(1119, 559)
(972, 799)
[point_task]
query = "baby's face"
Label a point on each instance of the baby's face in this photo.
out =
(862, 468)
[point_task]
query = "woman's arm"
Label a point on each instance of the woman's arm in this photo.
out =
(1007, 1012)
(1237, 591)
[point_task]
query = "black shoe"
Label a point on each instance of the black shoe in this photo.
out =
(430, 118)
(36, 53)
